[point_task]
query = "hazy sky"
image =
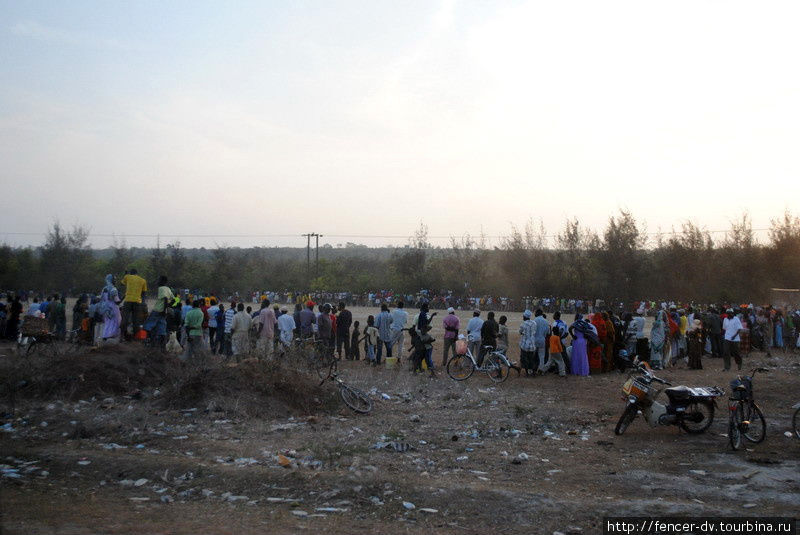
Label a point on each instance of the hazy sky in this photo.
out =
(365, 118)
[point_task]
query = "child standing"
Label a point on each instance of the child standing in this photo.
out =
(371, 339)
(355, 351)
(428, 340)
(502, 335)
(556, 353)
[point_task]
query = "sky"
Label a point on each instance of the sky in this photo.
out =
(360, 120)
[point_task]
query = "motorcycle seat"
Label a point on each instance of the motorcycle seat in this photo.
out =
(678, 393)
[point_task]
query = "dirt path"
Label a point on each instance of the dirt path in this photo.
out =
(219, 472)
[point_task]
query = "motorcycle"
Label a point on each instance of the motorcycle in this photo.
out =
(691, 409)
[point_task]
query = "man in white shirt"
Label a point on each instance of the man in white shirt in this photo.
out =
(732, 325)
(399, 319)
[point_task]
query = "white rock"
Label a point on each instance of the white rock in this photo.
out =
(140, 482)
(409, 506)
(429, 510)
(301, 514)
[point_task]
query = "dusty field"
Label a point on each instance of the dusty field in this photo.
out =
(213, 467)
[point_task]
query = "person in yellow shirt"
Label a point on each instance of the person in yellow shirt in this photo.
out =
(135, 287)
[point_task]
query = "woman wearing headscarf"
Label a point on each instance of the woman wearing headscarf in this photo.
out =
(108, 310)
(580, 331)
(658, 340)
(112, 317)
(596, 348)
(694, 342)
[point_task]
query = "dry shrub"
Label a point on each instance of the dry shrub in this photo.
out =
(251, 387)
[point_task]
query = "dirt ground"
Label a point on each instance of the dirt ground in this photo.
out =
(123, 463)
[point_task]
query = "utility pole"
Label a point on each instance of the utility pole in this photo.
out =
(316, 267)
(308, 256)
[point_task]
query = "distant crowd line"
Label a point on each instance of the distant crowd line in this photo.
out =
(601, 338)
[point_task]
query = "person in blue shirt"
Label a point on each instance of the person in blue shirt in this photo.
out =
(540, 337)
(383, 322)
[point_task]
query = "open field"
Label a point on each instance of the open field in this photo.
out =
(113, 462)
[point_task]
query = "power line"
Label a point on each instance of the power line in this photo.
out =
(348, 236)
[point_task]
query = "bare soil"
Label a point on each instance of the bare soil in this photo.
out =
(142, 444)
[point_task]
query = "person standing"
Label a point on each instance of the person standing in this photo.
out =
(474, 333)
(658, 340)
(694, 344)
(266, 330)
(527, 343)
(325, 329)
(370, 341)
(286, 328)
(542, 330)
(157, 322)
(194, 331)
(489, 331)
(383, 323)
(212, 324)
(135, 287)
(731, 326)
(59, 313)
(451, 324)
(714, 324)
(240, 331)
(228, 340)
(343, 322)
(580, 330)
(399, 320)
(307, 320)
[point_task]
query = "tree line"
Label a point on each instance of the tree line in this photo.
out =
(619, 262)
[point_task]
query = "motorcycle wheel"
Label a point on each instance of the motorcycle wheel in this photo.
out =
(796, 423)
(628, 415)
(706, 408)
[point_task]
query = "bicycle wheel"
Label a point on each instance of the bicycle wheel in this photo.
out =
(460, 367)
(496, 368)
(756, 430)
(628, 415)
(355, 399)
(735, 428)
(699, 417)
(796, 423)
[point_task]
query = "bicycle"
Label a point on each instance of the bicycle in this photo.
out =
(316, 356)
(354, 398)
(495, 364)
(47, 344)
(745, 417)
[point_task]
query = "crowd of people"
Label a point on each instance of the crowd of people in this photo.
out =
(599, 339)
